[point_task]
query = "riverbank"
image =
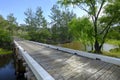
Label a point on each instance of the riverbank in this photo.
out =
(5, 51)
(113, 52)
(111, 47)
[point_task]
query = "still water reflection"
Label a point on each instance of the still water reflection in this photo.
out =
(7, 69)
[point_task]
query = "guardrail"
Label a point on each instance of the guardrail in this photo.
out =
(39, 72)
(108, 59)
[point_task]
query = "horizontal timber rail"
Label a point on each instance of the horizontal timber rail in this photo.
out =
(38, 71)
(112, 60)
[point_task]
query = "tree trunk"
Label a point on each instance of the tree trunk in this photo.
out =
(85, 47)
(97, 47)
(92, 46)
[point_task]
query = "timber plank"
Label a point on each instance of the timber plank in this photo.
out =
(107, 74)
(100, 73)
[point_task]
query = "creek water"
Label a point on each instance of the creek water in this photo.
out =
(7, 68)
(108, 47)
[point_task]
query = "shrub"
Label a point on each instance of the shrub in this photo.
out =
(5, 39)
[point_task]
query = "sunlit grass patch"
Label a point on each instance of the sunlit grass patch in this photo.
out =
(4, 51)
(114, 42)
(113, 53)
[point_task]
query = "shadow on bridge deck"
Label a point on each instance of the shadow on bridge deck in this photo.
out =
(64, 66)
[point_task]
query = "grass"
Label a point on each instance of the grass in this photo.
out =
(113, 53)
(4, 51)
(112, 41)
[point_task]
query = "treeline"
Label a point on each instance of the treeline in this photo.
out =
(57, 31)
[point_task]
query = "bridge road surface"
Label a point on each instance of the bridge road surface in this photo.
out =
(65, 66)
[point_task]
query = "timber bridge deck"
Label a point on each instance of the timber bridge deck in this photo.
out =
(62, 65)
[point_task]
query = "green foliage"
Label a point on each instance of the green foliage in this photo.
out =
(35, 20)
(11, 19)
(39, 19)
(112, 10)
(113, 41)
(5, 39)
(5, 34)
(111, 15)
(82, 29)
(111, 18)
(4, 51)
(36, 26)
(11, 24)
(89, 6)
(42, 35)
(29, 20)
(3, 23)
(59, 29)
(114, 33)
(55, 34)
(94, 8)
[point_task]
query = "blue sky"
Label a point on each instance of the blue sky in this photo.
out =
(18, 7)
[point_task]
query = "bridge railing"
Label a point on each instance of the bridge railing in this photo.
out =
(37, 70)
(84, 54)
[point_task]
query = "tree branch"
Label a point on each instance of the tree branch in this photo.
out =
(87, 12)
(83, 8)
(103, 30)
(106, 26)
(107, 29)
(103, 40)
(100, 9)
(93, 6)
(93, 19)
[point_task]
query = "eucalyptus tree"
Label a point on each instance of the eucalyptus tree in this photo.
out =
(35, 19)
(37, 25)
(40, 20)
(112, 12)
(60, 19)
(30, 19)
(94, 9)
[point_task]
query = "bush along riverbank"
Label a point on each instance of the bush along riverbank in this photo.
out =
(5, 41)
(5, 51)
(113, 52)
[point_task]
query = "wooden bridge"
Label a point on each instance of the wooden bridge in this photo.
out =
(49, 62)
